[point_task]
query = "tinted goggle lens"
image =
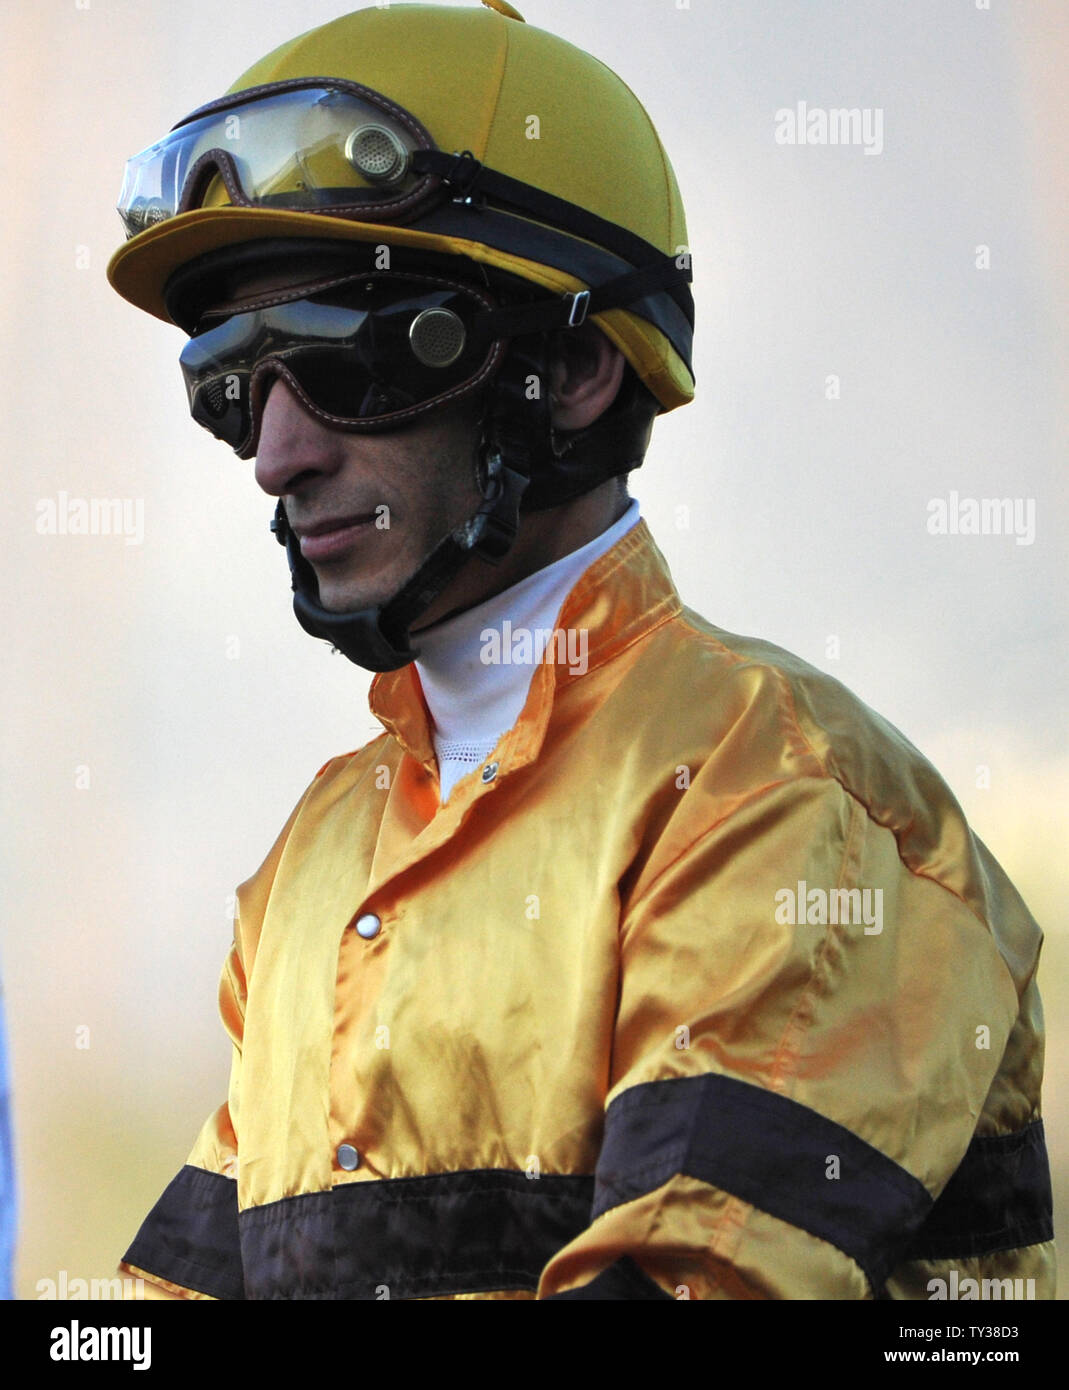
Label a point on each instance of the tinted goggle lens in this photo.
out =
(372, 353)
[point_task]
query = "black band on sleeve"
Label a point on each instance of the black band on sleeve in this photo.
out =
(998, 1199)
(773, 1153)
(190, 1237)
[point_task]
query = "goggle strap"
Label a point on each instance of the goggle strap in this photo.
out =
(572, 309)
(470, 180)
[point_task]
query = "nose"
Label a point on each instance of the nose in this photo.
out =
(294, 447)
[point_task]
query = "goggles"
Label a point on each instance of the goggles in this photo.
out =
(304, 144)
(362, 352)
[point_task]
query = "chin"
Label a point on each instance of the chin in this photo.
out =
(350, 598)
(335, 602)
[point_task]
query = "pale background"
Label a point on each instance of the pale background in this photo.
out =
(173, 674)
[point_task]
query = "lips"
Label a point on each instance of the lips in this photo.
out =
(333, 537)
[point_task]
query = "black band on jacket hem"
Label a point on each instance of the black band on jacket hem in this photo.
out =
(624, 1279)
(484, 1231)
(488, 1230)
(775, 1154)
(494, 1230)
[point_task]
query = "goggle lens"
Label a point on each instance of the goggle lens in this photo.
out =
(371, 353)
(311, 148)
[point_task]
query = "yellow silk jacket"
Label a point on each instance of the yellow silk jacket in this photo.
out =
(701, 987)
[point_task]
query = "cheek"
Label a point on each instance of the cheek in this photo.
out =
(442, 455)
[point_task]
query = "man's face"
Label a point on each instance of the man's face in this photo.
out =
(368, 508)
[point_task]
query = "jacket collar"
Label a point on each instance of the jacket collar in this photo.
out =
(622, 595)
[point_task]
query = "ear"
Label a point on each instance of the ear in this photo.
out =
(584, 377)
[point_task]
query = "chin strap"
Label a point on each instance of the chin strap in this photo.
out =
(377, 637)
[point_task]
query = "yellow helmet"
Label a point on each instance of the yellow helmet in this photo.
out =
(455, 131)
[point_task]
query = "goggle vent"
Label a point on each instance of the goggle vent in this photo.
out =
(437, 337)
(377, 154)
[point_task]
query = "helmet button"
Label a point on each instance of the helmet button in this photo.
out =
(503, 7)
(490, 772)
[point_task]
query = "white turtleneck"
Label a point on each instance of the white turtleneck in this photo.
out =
(473, 702)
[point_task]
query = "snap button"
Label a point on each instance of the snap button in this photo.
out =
(490, 772)
(368, 926)
(348, 1158)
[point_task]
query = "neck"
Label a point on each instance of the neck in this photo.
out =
(543, 538)
(475, 671)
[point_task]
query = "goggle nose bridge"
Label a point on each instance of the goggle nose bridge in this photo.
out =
(204, 168)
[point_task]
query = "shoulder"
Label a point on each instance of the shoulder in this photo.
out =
(755, 720)
(780, 711)
(354, 764)
(830, 730)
